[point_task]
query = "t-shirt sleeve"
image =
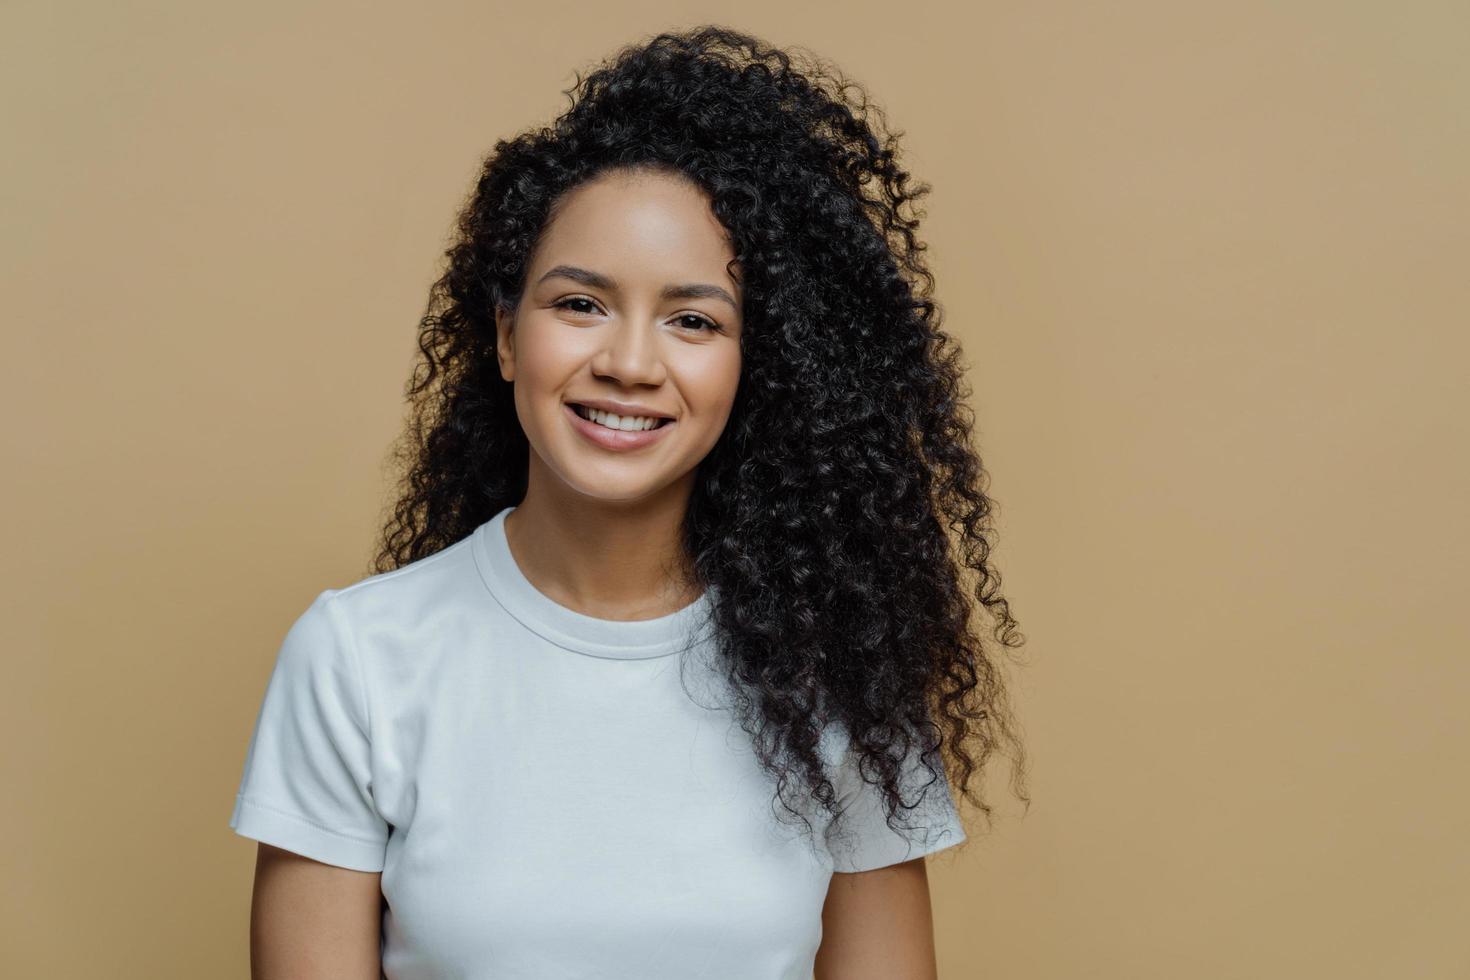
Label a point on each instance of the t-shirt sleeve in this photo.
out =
(862, 840)
(307, 785)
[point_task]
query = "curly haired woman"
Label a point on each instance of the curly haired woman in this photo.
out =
(666, 668)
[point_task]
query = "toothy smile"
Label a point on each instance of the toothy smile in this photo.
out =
(624, 423)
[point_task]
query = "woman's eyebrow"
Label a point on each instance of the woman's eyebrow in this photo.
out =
(686, 290)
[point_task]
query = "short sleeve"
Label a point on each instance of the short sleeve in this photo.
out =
(861, 839)
(307, 785)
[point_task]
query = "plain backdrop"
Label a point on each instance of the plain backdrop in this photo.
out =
(1208, 263)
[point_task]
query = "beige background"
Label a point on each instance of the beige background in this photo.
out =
(1210, 265)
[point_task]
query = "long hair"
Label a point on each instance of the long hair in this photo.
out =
(842, 515)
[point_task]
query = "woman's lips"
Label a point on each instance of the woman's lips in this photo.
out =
(616, 439)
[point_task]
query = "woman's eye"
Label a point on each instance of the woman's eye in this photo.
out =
(699, 321)
(576, 299)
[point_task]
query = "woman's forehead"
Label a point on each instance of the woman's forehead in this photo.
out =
(634, 233)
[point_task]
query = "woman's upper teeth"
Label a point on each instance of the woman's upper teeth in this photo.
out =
(625, 422)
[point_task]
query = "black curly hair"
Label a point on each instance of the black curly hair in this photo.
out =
(842, 515)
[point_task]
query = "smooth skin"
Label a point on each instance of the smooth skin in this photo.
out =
(313, 921)
(878, 925)
(606, 313)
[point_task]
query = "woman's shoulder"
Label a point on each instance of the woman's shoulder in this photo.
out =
(413, 593)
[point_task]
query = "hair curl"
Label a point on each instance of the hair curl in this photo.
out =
(842, 515)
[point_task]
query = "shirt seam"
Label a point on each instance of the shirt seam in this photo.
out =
(298, 818)
(539, 631)
(349, 643)
(344, 636)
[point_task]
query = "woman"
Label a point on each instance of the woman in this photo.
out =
(674, 548)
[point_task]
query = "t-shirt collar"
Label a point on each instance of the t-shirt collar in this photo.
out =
(637, 639)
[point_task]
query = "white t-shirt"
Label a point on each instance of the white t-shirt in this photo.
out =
(544, 798)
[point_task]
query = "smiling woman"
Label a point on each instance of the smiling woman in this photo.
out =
(667, 665)
(639, 246)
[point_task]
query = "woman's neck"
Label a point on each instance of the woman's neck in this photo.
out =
(609, 561)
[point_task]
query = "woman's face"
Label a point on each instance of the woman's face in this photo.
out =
(627, 300)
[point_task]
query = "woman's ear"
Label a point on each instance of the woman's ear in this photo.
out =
(505, 351)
